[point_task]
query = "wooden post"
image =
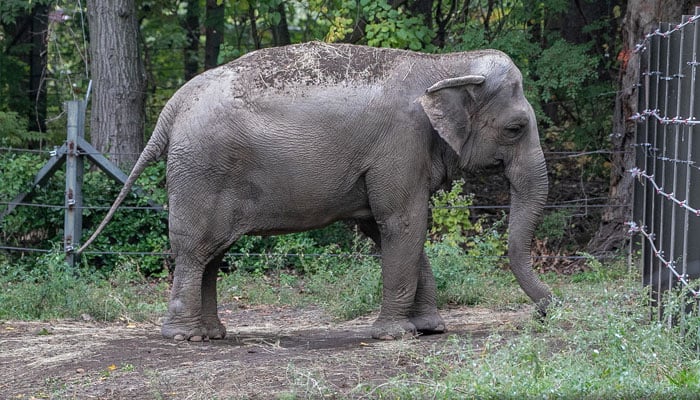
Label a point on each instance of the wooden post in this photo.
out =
(74, 179)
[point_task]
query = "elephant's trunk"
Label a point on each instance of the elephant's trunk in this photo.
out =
(528, 188)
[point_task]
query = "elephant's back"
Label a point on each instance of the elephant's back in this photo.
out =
(315, 64)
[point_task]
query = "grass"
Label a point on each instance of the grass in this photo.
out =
(596, 342)
(53, 290)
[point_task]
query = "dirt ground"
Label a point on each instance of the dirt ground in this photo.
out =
(270, 352)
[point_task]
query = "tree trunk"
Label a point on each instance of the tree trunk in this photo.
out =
(37, 67)
(280, 31)
(28, 40)
(191, 25)
(254, 28)
(214, 26)
(641, 17)
(118, 80)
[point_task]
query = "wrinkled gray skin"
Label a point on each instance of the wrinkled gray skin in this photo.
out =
(293, 138)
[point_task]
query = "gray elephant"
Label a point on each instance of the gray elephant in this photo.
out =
(293, 138)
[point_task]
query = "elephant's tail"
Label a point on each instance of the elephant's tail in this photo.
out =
(157, 146)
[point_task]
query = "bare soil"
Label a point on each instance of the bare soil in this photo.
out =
(270, 352)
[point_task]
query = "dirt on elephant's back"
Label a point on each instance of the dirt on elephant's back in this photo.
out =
(269, 351)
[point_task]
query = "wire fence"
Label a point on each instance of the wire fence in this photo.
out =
(666, 217)
(580, 207)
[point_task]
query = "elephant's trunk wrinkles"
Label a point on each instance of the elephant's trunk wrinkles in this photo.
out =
(528, 182)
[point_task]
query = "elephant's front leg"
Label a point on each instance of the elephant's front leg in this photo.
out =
(424, 314)
(402, 242)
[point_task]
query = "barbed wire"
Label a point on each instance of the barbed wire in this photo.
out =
(641, 46)
(659, 254)
(654, 260)
(61, 207)
(657, 155)
(678, 120)
(639, 174)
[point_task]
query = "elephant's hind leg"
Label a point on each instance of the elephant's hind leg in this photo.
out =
(184, 318)
(424, 313)
(210, 317)
(192, 310)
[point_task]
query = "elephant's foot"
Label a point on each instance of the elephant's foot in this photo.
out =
(384, 329)
(192, 331)
(214, 328)
(429, 323)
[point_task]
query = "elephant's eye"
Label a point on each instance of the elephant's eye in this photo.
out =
(514, 131)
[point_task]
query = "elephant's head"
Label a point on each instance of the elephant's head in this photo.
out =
(486, 119)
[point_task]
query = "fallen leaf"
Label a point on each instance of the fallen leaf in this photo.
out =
(112, 367)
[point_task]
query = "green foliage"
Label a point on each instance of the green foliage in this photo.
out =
(597, 272)
(346, 285)
(12, 98)
(385, 25)
(394, 27)
(563, 68)
(51, 289)
(11, 9)
(13, 130)
(452, 225)
(451, 218)
(304, 252)
(553, 225)
(133, 230)
(463, 253)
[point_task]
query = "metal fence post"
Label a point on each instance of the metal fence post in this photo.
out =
(74, 179)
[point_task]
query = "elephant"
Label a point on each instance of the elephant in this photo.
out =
(293, 138)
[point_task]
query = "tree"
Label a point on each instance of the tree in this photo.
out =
(214, 27)
(280, 28)
(118, 98)
(641, 17)
(27, 31)
(191, 26)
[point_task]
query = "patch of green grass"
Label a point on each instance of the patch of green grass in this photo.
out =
(597, 343)
(345, 286)
(54, 290)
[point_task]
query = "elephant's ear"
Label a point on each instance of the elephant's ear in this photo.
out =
(444, 104)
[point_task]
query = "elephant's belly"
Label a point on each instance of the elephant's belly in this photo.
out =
(293, 219)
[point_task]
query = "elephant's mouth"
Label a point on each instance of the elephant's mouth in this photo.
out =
(494, 168)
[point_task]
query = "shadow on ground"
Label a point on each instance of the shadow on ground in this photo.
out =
(269, 352)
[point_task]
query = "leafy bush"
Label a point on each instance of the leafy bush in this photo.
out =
(298, 251)
(386, 26)
(13, 130)
(463, 253)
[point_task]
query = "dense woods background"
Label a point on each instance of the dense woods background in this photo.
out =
(575, 56)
